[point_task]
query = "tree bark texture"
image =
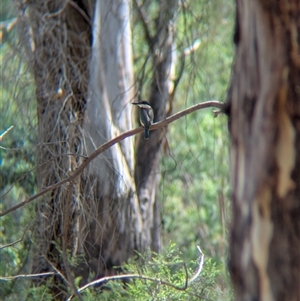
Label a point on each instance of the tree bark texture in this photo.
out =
(58, 50)
(265, 151)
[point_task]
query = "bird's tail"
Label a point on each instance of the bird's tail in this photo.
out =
(146, 134)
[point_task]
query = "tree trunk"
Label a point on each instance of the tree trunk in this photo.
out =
(161, 89)
(265, 152)
(59, 50)
(85, 86)
(111, 217)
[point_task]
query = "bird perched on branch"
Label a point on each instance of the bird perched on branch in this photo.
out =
(146, 116)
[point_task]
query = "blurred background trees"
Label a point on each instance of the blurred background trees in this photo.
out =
(66, 86)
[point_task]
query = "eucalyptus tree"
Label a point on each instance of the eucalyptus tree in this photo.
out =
(81, 58)
(265, 151)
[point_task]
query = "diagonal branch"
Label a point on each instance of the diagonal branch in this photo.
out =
(110, 143)
(6, 132)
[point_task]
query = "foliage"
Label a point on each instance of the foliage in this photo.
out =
(166, 267)
(194, 187)
(17, 105)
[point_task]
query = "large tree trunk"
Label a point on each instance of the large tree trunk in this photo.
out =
(59, 49)
(84, 79)
(265, 152)
(114, 227)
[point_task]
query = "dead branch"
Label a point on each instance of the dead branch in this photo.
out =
(110, 143)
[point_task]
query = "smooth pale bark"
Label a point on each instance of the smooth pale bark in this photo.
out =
(114, 229)
(265, 152)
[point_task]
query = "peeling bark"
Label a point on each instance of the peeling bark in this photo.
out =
(59, 49)
(265, 152)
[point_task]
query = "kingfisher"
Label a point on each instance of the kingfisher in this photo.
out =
(146, 116)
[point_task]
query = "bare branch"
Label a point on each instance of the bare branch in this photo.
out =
(158, 281)
(81, 11)
(136, 276)
(6, 132)
(201, 261)
(27, 276)
(110, 143)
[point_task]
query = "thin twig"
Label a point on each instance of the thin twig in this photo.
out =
(110, 143)
(81, 11)
(142, 15)
(15, 242)
(27, 276)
